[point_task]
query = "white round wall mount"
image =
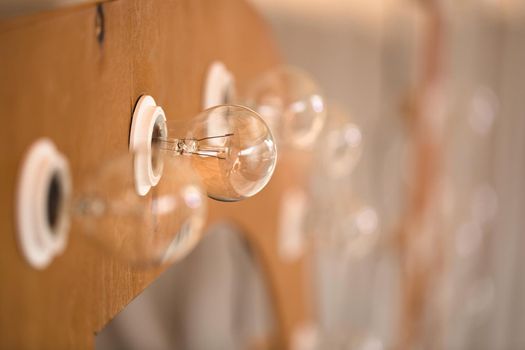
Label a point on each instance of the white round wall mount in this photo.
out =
(219, 86)
(42, 200)
(149, 121)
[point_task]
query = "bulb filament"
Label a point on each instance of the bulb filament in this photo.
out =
(201, 147)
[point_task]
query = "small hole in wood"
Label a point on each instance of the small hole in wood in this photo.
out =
(54, 201)
(156, 162)
(100, 27)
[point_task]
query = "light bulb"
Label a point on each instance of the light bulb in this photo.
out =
(141, 229)
(230, 147)
(290, 101)
(343, 144)
(360, 230)
(339, 219)
(154, 229)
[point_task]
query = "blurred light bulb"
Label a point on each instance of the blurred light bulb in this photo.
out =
(230, 147)
(142, 229)
(154, 229)
(360, 231)
(343, 144)
(469, 238)
(484, 204)
(483, 110)
(290, 102)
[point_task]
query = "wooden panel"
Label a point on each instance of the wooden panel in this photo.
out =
(57, 80)
(11, 8)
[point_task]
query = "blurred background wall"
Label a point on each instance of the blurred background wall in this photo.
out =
(368, 58)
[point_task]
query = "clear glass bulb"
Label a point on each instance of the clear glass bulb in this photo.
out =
(230, 147)
(343, 144)
(154, 229)
(290, 101)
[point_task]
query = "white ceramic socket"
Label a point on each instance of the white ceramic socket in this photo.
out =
(219, 84)
(40, 241)
(146, 117)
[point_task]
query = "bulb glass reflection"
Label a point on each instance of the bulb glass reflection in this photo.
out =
(290, 102)
(145, 230)
(230, 147)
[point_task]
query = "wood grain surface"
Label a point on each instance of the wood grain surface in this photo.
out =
(57, 80)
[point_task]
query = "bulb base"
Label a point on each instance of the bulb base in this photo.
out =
(148, 121)
(219, 86)
(43, 193)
